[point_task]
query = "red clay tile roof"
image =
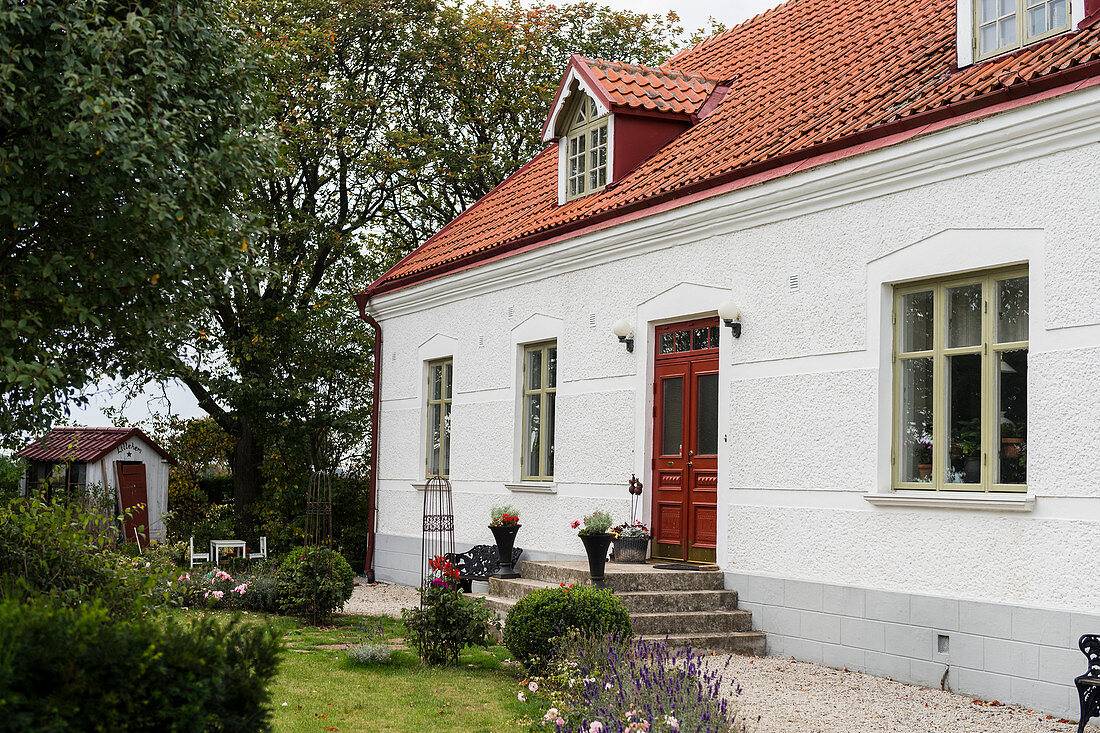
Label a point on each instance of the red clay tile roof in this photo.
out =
(807, 77)
(664, 89)
(83, 444)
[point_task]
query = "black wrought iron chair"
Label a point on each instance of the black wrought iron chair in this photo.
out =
(479, 563)
(1088, 684)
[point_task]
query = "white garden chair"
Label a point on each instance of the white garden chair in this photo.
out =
(197, 557)
(262, 553)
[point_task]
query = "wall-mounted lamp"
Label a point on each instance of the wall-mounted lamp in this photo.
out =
(731, 316)
(625, 332)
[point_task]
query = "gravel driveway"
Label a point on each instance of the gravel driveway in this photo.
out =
(799, 697)
(380, 599)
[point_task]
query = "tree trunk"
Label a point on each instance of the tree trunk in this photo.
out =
(248, 455)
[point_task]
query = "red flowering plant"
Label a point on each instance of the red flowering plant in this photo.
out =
(504, 516)
(444, 573)
(446, 621)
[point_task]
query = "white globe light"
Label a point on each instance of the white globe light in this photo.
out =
(728, 311)
(622, 329)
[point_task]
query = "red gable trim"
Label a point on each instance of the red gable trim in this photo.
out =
(592, 84)
(1001, 100)
(85, 444)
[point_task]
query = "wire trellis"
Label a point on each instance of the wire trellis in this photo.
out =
(438, 537)
(319, 510)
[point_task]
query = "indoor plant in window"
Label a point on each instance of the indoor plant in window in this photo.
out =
(596, 540)
(1011, 438)
(504, 524)
(924, 457)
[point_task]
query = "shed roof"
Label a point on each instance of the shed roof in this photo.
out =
(84, 444)
(806, 78)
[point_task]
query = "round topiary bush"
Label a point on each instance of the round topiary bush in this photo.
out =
(313, 582)
(548, 613)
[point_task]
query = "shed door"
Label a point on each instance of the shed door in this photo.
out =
(134, 496)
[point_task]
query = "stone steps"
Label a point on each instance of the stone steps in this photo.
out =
(679, 607)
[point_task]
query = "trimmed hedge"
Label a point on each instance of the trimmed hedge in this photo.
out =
(546, 614)
(313, 582)
(65, 669)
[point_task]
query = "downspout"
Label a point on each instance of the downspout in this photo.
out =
(372, 478)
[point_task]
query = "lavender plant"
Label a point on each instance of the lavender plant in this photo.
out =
(619, 685)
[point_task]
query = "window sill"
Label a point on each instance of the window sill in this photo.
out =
(936, 500)
(533, 487)
(422, 486)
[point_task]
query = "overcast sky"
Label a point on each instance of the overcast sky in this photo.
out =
(174, 398)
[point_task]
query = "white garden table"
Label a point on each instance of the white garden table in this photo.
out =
(218, 545)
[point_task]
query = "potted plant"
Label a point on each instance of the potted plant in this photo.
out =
(1011, 439)
(596, 540)
(504, 524)
(631, 542)
(923, 451)
(970, 448)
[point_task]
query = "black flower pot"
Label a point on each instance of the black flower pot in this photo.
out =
(506, 538)
(596, 546)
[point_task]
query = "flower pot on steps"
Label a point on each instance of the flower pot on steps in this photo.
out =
(631, 549)
(505, 536)
(596, 546)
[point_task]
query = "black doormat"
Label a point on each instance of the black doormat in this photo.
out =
(677, 566)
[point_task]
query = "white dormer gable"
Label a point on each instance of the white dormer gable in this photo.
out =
(988, 28)
(575, 81)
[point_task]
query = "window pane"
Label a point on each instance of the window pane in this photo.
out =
(445, 447)
(448, 368)
(666, 343)
(915, 462)
(552, 367)
(534, 369)
(683, 340)
(1012, 315)
(706, 415)
(987, 39)
(964, 316)
(714, 337)
(699, 338)
(434, 439)
(1012, 409)
(672, 416)
(964, 422)
(1059, 11)
(1037, 21)
(916, 321)
(435, 381)
(1008, 31)
(532, 411)
(1006, 7)
(550, 407)
(988, 10)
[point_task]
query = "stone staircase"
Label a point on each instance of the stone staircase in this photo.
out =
(686, 606)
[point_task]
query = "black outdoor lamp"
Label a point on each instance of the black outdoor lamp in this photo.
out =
(625, 332)
(731, 316)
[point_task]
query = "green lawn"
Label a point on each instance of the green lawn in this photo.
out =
(324, 691)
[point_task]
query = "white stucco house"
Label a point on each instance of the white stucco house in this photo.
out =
(124, 466)
(890, 443)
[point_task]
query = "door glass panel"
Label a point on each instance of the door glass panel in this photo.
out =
(666, 343)
(706, 415)
(550, 404)
(916, 321)
(531, 455)
(916, 420)
(672, 416)
(1012, 316)
(714, 337)
(964, 316)
(964, 422)
(683, 340)
(699, 338)
(1011, 376)
(534, 369)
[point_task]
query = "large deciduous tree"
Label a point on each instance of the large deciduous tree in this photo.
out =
(125, 139)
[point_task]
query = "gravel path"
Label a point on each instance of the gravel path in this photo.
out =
(799, 697)
(380, 599)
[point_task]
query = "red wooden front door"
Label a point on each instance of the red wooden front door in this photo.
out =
(685, 447)
(135, 497)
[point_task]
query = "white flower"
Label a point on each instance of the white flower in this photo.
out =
(672, 722)
(284, 704)
(595, 727)
(550, 714)
(522, 697)
(533, 686)
(607, 686)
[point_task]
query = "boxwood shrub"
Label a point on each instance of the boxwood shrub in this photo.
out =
(547, 614)
(313, 582)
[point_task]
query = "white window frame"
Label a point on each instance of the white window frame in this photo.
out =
(570, 133)
(966, 40)
(543, 392)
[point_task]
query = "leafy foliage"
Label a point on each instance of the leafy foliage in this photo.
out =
(11, 471)
(547, 614)
(126, 134)
(446, 623)
(80, 669)
(313, 582)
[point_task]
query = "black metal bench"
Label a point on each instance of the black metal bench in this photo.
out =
(1088, 684)
(479, 563)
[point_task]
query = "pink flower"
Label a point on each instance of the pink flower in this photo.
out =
(185, 576)
(218, 594)
(560, 721)
(551, 713)
(595, 727)
(574, 524)
(522, 697)
(241, 588)
(533, 686)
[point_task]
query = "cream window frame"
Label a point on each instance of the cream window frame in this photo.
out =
(444, 402)
(989, 350)
(543, 391)
(579, 133)
(1022, 37)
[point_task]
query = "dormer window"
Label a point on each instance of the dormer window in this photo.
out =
(1004, 25)
(586, 149)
